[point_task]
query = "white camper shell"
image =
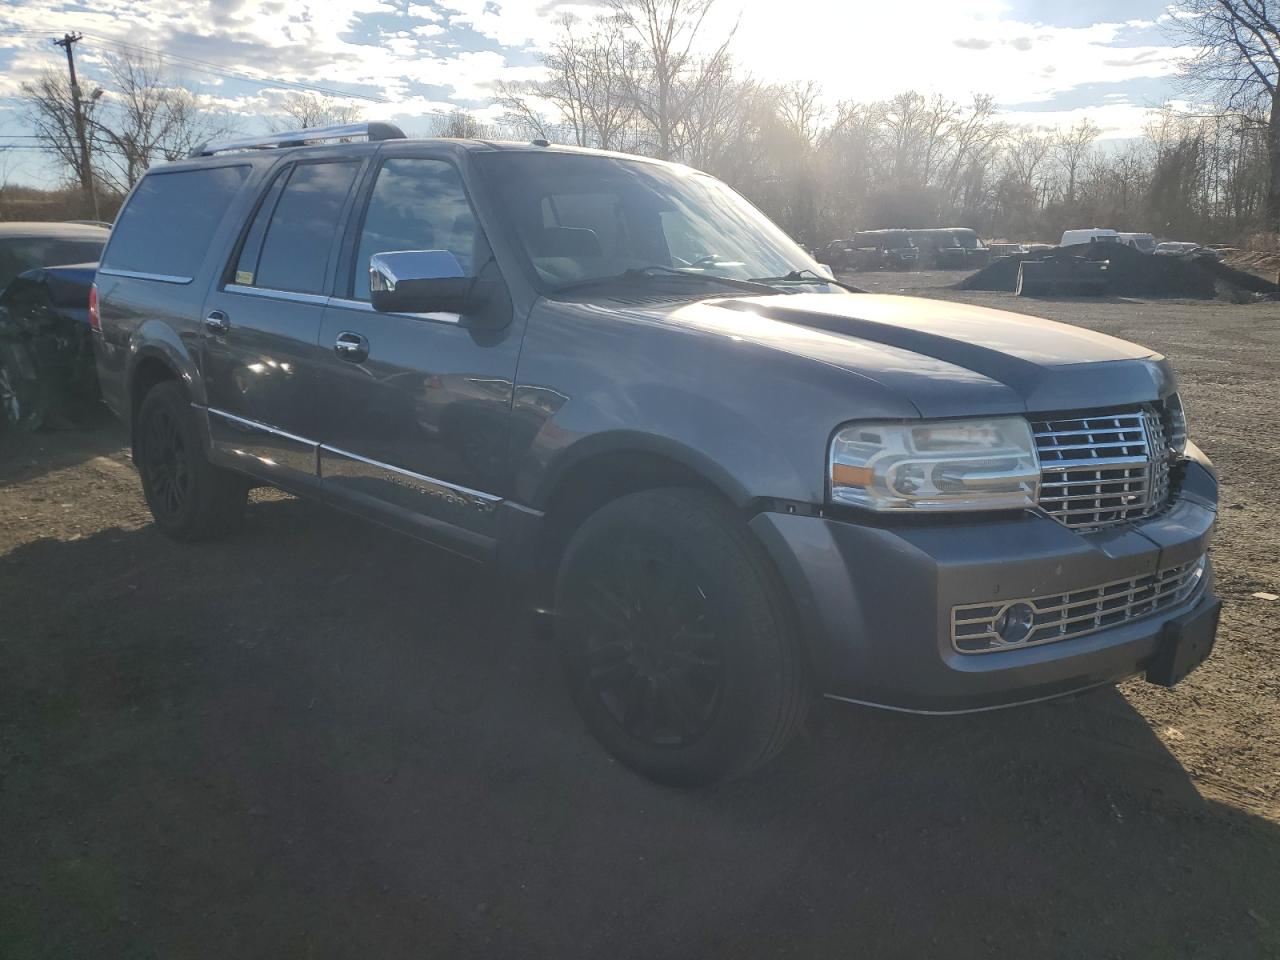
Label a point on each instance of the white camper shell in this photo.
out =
(1092, 235)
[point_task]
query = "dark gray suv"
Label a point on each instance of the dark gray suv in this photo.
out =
(731, 483)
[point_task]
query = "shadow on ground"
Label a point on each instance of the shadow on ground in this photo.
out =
(319, 739)
(25, 456)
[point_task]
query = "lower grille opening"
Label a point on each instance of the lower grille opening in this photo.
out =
(1029, 621)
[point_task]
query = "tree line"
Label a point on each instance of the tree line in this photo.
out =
(651, 77)
(634, 80)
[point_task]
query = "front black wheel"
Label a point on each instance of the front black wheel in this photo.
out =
(677, 639)
(190, 498)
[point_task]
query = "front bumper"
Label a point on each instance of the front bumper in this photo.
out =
(875, 602)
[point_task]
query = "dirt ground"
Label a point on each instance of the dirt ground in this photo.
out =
(318, 739)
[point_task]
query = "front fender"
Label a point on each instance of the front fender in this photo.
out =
(754, 420)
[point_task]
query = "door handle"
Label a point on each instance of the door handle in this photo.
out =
(351, 347)
(217, 322)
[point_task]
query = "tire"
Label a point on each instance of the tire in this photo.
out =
(677, 638)
(189, 497)
(23, 403)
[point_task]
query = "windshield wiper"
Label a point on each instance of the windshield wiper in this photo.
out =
(807, 276)
(658, 271)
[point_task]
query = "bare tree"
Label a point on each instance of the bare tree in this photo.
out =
(588, 66)
(303, 110)
(519, 100)
(974, 135)
(725, 130)
(1238, 60)
(800, 108)
(49, 109)
(6, 168)
(460, 125)
(643, 78)
(145, 117)
(667, 75)
(589, 70)
(1070, 150)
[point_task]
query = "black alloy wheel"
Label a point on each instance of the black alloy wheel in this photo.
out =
(653, 658)
(677, 638)
(165, 461)
(189, 497)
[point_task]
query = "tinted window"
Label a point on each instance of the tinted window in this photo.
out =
(417, 204)
(251, 250)
(170, 220)
(25, 253)
(295, 249)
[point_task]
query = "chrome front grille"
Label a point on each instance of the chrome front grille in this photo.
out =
(985, 627)
(1104, 468)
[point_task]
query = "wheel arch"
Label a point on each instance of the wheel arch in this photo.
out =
(599, 470)
(152, 365)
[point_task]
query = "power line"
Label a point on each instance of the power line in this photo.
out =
(225, 72)
(210, 68)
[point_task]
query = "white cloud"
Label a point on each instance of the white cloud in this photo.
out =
(866, 51)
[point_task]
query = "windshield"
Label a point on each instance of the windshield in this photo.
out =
(581, 218)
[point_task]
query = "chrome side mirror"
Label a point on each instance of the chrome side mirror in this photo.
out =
(420, 281)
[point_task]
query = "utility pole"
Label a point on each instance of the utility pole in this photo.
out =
(86, 170)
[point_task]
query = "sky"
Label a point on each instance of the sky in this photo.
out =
(1048, 62)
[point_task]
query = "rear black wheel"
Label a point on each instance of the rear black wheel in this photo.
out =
(677, 639)
(190, 498)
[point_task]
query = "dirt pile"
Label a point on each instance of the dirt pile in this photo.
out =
(1135, 274)
(1264, 263)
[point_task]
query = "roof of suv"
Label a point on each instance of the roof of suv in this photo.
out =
(452, 143)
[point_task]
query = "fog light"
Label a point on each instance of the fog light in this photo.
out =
(1014, 623)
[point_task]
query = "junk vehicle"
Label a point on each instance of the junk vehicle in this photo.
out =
(1142, 242)
(47, 368)
(951, 248)
(1006, 250)
(1178, 248)
(730, 484)
(885, 250)
(1093, 235)
(46, 355)
(839, 255)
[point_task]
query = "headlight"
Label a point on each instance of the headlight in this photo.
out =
(1177, 424)
(987, 464)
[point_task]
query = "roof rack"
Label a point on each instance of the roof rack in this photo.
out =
(298, 138)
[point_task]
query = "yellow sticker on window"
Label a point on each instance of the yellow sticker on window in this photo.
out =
(244, 278)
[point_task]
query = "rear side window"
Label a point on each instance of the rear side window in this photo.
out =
(170, 221)
(288, 243)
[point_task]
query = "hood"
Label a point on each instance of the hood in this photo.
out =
(946, 358)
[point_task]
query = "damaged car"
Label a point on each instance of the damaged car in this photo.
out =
(46, 354)
(47, 369)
